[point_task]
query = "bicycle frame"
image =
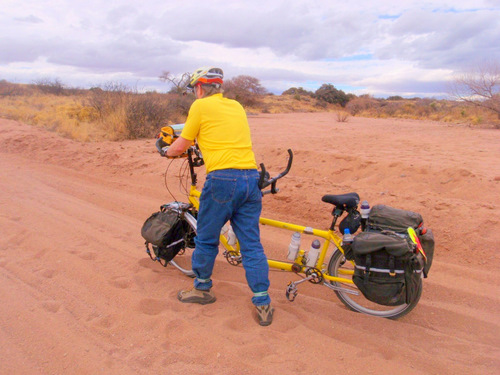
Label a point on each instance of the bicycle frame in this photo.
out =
(328, 235)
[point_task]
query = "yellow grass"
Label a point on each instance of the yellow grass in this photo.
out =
(72, 116)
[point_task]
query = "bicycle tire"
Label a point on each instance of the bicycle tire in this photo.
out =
(183, 261)
(358, 302)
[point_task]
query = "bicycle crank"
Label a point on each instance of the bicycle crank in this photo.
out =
(232, 257)
(291, 289)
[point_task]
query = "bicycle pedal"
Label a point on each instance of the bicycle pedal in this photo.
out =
(291, 291)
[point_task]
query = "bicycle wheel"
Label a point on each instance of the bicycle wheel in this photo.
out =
(355, 300)
(182, 261)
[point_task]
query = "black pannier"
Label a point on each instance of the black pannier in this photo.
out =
(394, 219)
(389, 218)
(387, 271)
(166, 231)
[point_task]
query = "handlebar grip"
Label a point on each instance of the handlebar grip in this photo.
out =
(158, 147)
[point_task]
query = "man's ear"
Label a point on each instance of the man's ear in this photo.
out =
(201, 92)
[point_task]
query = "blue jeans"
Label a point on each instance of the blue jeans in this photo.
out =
(231, 194)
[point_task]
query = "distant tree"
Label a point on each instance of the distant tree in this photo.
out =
(50, 86)
(297, 91)
(178, 83)
(328, 93)
(479, 87)
(395, 97)
(245, 89)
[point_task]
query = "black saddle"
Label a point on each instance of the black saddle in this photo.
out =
(343, 201)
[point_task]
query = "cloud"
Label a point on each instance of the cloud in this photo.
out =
(30, 19)
(443, 39)
(368, 45)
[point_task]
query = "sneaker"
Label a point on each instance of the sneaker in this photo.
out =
(265, 314)
(203, 297)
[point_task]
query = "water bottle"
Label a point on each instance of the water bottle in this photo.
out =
(365, 210)
(231, 237)
(224, 229)
(347, 239)
(294, 246)
(312, 256)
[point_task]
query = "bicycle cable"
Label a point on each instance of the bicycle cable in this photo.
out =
(165, 180)
(183, 178)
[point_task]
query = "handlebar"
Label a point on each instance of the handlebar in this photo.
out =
(196, 160)
(265, 179)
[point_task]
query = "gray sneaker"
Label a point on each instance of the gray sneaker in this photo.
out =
(203, 297)
(265, 314)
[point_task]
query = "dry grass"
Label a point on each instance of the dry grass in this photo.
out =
(116, 113)
(424, 109)
(89, 115)
(64, 114)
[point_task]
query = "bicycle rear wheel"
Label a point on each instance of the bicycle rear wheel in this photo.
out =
(182, 260)
(338, 266)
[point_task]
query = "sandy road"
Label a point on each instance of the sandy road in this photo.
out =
(79, 295)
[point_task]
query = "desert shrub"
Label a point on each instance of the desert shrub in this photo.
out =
(11, 89)
(363, 103)
(108, 98)
(321, 104)
(297, 91)
(178, 106)
(389, 108)
(50, 86)
(145, 115)
(342, 116)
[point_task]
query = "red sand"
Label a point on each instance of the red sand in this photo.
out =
(80, 296)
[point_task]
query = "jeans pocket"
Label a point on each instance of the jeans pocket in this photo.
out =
(222, 189)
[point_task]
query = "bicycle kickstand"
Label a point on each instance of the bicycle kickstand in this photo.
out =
(291, 289)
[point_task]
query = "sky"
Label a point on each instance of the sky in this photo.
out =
(411, 48)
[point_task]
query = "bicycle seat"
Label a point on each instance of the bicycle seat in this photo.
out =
(349, 200)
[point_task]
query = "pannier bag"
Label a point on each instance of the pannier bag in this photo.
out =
(387, 270)
(170, 133)
(384, 218)
(165, 230)
(388, 218)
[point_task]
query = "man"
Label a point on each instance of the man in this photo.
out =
(230, 192)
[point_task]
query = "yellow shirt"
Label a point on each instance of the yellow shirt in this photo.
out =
(221, 128)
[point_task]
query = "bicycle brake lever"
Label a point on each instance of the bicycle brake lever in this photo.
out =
(265, 192)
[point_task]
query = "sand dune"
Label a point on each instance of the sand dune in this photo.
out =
(80, 295)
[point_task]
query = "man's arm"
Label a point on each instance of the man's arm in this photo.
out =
(179, 146)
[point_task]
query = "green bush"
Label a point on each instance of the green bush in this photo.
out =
(328, 93)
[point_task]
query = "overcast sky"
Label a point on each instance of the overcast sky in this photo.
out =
(378, 47)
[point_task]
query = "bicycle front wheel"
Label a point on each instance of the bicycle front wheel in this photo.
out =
(352, 297)
(182, 260)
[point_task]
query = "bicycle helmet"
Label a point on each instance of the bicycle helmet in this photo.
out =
(206, 76)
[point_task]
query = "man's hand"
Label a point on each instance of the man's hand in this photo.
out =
(178, 148)
(164, 150)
